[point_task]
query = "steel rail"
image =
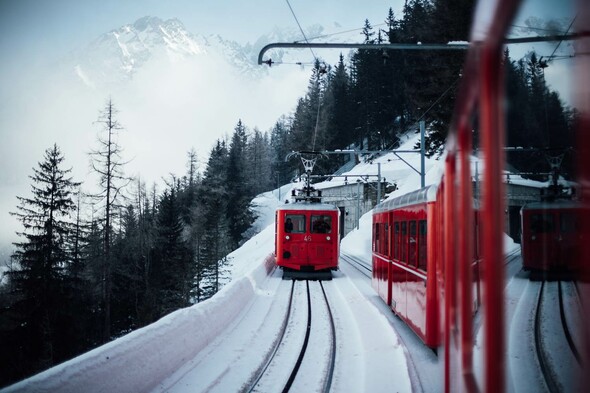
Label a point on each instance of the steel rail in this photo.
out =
(270, 356)
(552, 385)
(354, 262)
(305, 342)
(332, 364)
(566, 330)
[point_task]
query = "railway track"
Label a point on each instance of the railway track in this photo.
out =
(358, 264)
(285, 367)
(555, 342)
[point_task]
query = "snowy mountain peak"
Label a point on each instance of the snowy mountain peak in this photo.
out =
(152, 31)
(118, 54)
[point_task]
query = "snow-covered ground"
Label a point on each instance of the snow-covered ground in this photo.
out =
(218, 344)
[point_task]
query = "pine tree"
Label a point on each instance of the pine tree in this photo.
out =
(536, 117)
(107, 163)
(280, 147)
(172, 271)
(368, 92)
(216, 239)
(41, 280)
(338, 107)
(258, 163)
(238, 212)
(188, 192)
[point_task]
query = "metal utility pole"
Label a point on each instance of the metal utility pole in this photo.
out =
(378, 182)
(422, 153)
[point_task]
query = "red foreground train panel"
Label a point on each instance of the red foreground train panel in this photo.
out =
(408, 262)
(307, 239)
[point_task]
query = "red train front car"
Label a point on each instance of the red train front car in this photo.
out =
(307, 239)
(550, 236)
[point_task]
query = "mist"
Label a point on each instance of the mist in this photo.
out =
(167, 107)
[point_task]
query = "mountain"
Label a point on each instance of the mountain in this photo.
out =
(118, 55)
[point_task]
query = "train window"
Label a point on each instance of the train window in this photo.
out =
(568, 222)
(376, 237)
(321, 224)
(412, 243)
(295, 223)
(422, 245)
(396, 240)
(386, 239)
(404, 242)
(542, 223)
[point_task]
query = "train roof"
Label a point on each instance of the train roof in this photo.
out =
(423, 195)
(306, 206)
(555, 204)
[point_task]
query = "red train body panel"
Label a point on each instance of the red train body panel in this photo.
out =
(550, 236)
(408, 264)
(307, 237)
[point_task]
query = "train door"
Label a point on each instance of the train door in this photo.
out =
(321, 229)
(399, 275)
(295, 228)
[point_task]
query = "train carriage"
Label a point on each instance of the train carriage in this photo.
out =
(409, 262)
(404, 260)
(307, 239)
(550, 236)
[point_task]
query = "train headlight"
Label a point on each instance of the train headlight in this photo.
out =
(327, 237)
(287, 237)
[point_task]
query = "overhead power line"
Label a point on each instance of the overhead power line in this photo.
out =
(300, 28)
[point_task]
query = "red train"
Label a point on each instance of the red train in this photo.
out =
(307, 239)
(550, 236)
(408, 262)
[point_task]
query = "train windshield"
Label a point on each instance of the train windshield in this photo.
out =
(295, 223)
(321, 223)
(568, 222)
(542, 223)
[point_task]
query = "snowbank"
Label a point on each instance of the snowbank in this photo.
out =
(138, 361)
